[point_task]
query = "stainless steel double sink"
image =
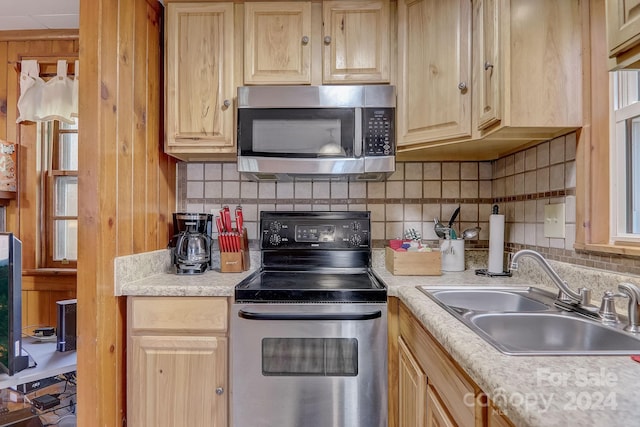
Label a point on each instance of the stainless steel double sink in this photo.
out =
(525, 321)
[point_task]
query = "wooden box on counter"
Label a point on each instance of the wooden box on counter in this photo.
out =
(413, 263)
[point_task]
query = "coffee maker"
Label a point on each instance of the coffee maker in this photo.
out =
(191, 243)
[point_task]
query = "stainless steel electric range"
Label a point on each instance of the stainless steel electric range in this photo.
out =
(309, 329)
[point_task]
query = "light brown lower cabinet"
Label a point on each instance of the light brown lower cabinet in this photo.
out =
(177, 361)
(412, 389)
(437, 415)
(496, 419)
(432, 388)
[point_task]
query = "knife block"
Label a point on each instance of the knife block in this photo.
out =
(236, 262)
(231, 262)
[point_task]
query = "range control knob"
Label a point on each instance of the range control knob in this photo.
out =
(355, 240)
(275, 239)
(275, 227)
(355, 226)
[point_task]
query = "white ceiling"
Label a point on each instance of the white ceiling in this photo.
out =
(38, 14)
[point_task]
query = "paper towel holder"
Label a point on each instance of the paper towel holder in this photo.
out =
(485, 271)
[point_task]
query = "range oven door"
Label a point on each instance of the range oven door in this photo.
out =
(311, 365)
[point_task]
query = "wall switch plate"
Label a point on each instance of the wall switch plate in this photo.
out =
(554, 221)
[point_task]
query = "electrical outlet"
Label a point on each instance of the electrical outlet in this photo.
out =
(554, 220)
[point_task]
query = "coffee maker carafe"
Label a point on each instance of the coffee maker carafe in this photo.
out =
(191, 243)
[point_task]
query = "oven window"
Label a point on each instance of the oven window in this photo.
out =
(331, 357)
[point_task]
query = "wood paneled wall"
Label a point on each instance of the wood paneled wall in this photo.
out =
(15, 46)
(126, 186)
(592, 152)
(40, 289)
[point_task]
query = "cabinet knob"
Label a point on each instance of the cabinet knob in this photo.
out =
(219, 391)
(487, 66)
(327, 39)
(226, 103)
(305, 40)
(462, 86)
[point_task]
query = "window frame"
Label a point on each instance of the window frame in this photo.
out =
(50, 171)
(593, 178)
(621, 114)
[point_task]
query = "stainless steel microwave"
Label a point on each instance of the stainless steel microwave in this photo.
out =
(316, 132)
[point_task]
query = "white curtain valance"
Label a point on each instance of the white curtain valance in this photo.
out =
(56, 99)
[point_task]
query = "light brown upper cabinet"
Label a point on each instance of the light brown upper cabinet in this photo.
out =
(291, 42)
(526, 81)
(488, 87)
(277, 47)
(623, 33)
(527, 69)
(356, 41)
(199, 92)
(434, 72)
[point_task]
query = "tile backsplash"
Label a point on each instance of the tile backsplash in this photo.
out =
(521, 184)
(412, 197)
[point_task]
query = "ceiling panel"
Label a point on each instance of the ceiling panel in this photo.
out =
(38, 14)
(58, 21)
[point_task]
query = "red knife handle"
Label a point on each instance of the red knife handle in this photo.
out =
(227, 219)
(239, 218)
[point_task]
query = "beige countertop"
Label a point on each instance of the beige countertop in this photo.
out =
(152, 274)
(537, 390)
(531, 390)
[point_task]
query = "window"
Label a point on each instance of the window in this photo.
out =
(625, 157)
(59, 201)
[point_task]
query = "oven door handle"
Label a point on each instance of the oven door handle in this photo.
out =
(318, 316)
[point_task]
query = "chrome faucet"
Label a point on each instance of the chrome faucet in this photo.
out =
(633, 293)
(582, 297)
(607, 311)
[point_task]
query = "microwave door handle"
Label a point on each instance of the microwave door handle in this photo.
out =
(358, 143)
(318, 316)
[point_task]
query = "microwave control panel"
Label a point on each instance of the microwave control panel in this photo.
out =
(378, 131)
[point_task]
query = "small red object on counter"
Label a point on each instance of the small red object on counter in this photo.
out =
(395, 243)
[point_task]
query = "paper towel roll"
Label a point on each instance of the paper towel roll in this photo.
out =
(496, 243)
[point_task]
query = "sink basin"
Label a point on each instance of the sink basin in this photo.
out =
(552, 334)
(525, 321)
(488, 300)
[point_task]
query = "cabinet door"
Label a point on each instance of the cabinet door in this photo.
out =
(497, 420)
(277, 46)
(435, 67)
(437, 415)
(177, 381)
(412, 389)
(487, 65)
(356, 41)
(623, 25)
(199, 67)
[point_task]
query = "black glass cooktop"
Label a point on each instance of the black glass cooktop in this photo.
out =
(313, 257)
(300, 286)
